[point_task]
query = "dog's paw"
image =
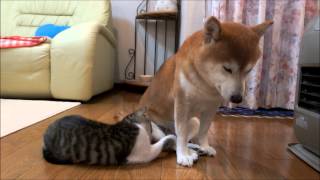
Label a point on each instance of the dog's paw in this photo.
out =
(207, 150)
(186, 160)
(193, 154)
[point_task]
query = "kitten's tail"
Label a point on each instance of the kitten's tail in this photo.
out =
(49, 156)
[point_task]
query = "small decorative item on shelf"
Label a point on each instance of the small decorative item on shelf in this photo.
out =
(146, 78)
(166, 5)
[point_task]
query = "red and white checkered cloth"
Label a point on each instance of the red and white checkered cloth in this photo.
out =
(18, 41)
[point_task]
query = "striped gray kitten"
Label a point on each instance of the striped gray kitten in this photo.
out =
(75, 139)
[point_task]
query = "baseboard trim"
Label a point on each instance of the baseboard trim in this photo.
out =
(130, 87)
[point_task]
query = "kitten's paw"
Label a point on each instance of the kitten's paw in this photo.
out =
(185, 160)
(193, 146)
(170, 143)
(171, 136)
(207, 150)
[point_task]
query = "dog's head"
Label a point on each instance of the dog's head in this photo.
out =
(228, 53)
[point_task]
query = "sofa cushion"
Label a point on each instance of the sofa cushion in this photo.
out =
(25, 72)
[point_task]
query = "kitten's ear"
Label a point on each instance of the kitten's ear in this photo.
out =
(141, 111)
(260, 29)
(212, 30)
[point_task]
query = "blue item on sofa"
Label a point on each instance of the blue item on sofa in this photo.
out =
(50, 30)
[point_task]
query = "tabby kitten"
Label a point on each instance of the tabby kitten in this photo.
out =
(75, 139)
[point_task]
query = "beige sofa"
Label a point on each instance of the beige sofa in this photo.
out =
(76, 64)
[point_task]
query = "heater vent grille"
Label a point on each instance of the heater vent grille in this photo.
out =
(309, 95)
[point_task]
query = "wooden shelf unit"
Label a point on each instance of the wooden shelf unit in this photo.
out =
(143, 14)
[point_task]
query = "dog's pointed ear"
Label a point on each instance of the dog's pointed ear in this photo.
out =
(212, 30)
(260, 29)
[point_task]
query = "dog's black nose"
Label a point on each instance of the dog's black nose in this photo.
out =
(236, 98)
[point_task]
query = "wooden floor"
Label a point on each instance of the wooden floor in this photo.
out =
(246, 149)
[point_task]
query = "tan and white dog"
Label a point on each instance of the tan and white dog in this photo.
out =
(210, 66)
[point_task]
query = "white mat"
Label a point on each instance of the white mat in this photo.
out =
(18, 114)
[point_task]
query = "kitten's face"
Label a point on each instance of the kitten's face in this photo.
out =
(142, 117)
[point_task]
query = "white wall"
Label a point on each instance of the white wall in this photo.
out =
(124, 12)
(192, 14)
(123, 16)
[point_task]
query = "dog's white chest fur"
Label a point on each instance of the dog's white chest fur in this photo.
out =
(193, 91)
(202, 98)
(186, 85)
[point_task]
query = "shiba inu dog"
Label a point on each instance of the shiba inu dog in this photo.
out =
(185, 93)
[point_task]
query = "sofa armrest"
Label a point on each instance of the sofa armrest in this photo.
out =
(81, 57)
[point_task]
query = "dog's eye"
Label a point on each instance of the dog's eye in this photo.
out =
(227, 69)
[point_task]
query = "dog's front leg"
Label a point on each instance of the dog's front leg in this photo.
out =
(185, 156)
(202, 137)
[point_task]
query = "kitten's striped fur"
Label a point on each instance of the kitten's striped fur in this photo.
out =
(75, 139)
